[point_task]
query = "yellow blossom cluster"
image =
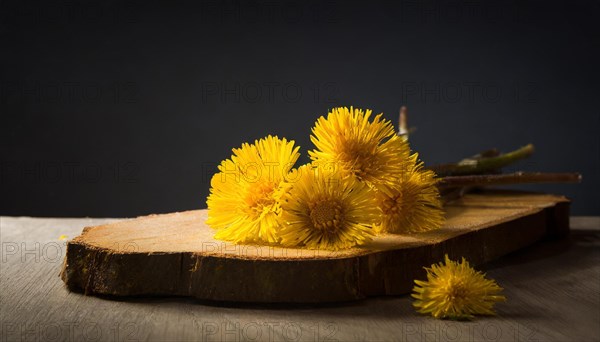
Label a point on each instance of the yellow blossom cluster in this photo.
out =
(363, 180)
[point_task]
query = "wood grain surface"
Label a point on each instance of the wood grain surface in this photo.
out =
(552, 287)
(175, 254)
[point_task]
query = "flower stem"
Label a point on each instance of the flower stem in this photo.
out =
(403, 122)
(486, 162)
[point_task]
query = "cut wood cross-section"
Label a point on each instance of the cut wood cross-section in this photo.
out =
(175, 254)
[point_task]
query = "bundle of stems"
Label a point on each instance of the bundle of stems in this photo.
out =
(485, 169)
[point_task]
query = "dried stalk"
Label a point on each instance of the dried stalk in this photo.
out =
(509, 178)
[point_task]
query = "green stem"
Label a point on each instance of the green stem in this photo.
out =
(472, 166)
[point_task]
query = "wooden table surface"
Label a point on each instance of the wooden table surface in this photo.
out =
(553, 292)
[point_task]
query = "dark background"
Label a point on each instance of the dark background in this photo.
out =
(123, 109)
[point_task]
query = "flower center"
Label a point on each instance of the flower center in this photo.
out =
(260, 197)
(360, 157)
(326, 215)
(392, 205)
(457, 293)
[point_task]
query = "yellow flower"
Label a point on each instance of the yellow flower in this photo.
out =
(369, 150)
(323, 210)
(243, 201)
(456, 291)
(413, 204)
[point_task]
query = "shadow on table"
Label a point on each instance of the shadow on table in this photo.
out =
(578, 244)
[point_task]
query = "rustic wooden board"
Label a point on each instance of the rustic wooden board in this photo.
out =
(175, 254)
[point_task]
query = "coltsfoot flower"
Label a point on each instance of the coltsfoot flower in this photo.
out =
(323, 210)
(456, 291)
(243, 204)
(413, 204)
(369, 150)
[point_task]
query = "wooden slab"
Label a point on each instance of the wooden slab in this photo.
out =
(175, 254)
